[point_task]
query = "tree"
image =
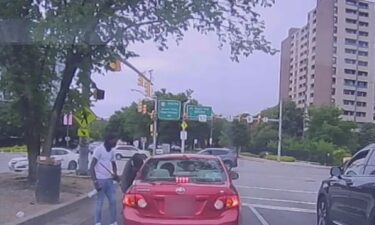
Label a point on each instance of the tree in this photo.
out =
(366, 134)
(84, 36)
(325, 124)
(240, 134)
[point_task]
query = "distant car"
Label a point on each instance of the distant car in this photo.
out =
(68, 158)
(348, 196)
(127, 151)
(229, 157)
(199, 185)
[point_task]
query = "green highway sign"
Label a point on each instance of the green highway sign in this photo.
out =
(194, 112)
(169, 110)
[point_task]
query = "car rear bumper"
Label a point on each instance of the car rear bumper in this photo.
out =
(131, 217)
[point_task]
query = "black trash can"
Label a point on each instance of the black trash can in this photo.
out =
(48, 177)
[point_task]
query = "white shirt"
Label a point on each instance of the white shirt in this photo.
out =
(103, 168)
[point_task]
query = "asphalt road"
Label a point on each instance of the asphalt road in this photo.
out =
(271, 194)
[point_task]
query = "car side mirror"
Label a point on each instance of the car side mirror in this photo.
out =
(234, 175)
(336, 171)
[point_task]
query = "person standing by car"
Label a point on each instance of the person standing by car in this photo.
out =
(130, 171)
(103, 171)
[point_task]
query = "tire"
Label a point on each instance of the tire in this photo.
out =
(228, 165)
(118, 157)
(72, 165)
(322, 212)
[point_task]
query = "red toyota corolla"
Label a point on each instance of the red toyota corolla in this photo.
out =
(182, 190)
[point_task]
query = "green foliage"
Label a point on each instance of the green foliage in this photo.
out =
(366, 134)
(97, 129)
(282, 158)
(14, 149)
(339, 155)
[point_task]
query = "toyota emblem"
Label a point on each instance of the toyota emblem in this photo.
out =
(180, 190)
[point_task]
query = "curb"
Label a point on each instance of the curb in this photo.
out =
(55, 210)
(297, 163)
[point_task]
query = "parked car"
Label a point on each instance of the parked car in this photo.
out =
(348, 196)
(199, 185)
(127, 151)
(229, 157)
(68, 158)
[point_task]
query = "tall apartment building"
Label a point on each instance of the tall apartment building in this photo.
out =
(331, 60)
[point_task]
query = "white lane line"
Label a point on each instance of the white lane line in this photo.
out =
(276, 189)
(277, 200)
(280, 208)
(257, 214)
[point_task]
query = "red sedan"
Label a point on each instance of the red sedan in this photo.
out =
(184, 190)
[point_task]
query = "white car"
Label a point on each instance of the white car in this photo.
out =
(127, 151)
(68, 158)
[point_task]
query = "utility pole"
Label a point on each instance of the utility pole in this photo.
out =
(155, 126)
(83, 160)
(280, 130)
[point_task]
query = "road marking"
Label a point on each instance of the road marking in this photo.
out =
(280, 208)
(276, 189)
(277, 200)
(258, 215)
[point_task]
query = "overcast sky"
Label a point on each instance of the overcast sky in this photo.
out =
(197, 64)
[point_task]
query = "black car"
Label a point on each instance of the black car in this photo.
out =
(348, 196)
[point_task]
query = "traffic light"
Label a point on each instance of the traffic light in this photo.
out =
(144, 109)
(148, 88)
(115, 66)
(140, 107)
(140, 81)
(99, 94)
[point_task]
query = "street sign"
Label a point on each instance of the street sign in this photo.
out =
(184, 125)
(67, 138)
(265, 119)
(169, 110)
(85, 117)
(193, 112)
(83, 132)
(183, 135)
(68, 119)
(250, 119)
(202, 118)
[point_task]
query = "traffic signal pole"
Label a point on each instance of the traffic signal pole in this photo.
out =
(280, 130)
(155, 126)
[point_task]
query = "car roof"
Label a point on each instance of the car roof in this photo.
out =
(183, 156)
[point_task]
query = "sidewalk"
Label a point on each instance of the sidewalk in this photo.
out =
(297, 163)
(17, 201)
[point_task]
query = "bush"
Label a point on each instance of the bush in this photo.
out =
(248, 154)
(21, 148)
(339, 155)
(263, 154)
(282, 159)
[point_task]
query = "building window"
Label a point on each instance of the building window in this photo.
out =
(333, 91)
(334, 59)
(350, 31)
(312, 76)
(351, 11)
(350, 61)
(311, 86)
(360, 114)
(312, 95)
(351, 2)
(361, 94)
(314, 39)
(348, 71)
(362, 5)
(363, 33)
(350, 51)
(364, 14)
(335, 29)
(351, 21)
(361, 104)
(334, 50)
(348, 82)
(333, 80)
(362, 84)
(362, 73)
(363, 24)
(349, 41)
(348, 102)
(333, 70)
(348, 113)
(313, 57)
(363, 44)
(312, 67)
(362, 63)
(362, 53)
(349, 92)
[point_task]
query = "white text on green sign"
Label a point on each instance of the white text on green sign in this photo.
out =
(169, 110)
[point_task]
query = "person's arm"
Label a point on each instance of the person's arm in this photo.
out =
(92, 170)
(114, 167)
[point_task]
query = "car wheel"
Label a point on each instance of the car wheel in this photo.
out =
(118, 156)
(72, 165)
(228, 165)
(322, 212)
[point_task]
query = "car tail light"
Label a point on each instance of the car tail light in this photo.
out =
(182, 179)
(227, 202)
(134, 200)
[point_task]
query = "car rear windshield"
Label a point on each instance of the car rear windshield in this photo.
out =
(197, 170)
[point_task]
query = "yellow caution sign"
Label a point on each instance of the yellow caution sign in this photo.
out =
(85, 117)
(83, 132)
